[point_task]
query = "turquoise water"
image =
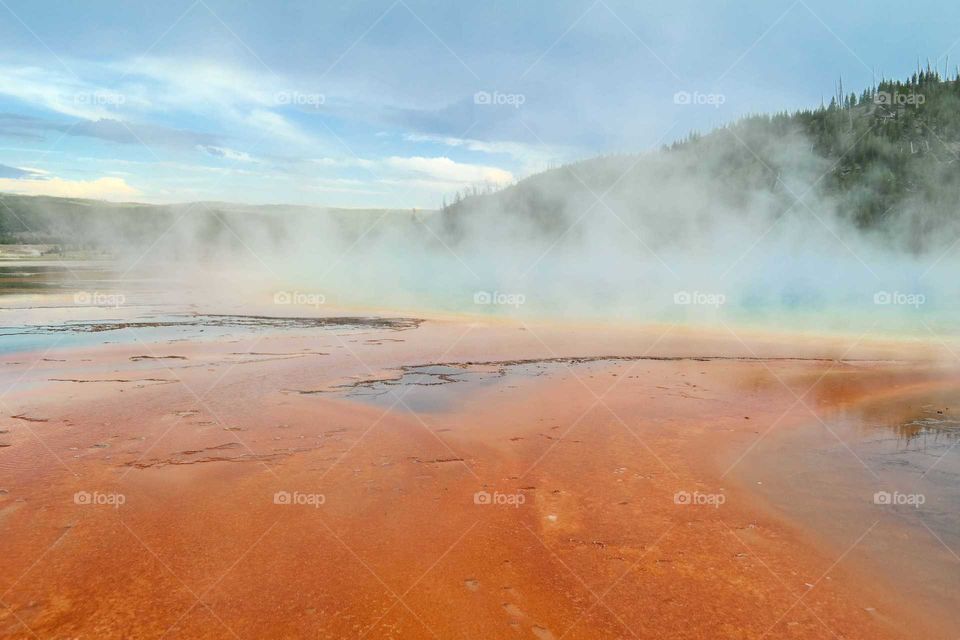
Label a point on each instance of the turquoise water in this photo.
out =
(39, 305)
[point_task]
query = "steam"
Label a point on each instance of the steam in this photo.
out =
(669, 236)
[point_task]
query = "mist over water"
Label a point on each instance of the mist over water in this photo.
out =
(667, 236)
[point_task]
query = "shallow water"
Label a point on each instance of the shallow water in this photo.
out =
(438, 388)
(48, 304)
(37, 276)
(880, 480)
(135, 326)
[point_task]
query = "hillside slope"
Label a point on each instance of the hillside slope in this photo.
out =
(884, 161)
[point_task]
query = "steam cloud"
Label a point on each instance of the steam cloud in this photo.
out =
(684, 235)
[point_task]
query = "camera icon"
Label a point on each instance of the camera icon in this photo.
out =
(82, 297)
(682, 297)
(482, 297)
(82, 497)
(482, 97)
(682, 497)
(282, 97)
(882, 497)
(682, 97)
(282, 497)
(882, 297)
(882, 97)
(482, 497)
(282, 297)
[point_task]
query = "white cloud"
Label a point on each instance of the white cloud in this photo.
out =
(440, 173)
(345, 185)
(271, 122)
(56, 92)
(107, 188)
(276, 115)
(147, 87)
(226, 153)
(343, 162)
(444, 170)
(34, 170)
(182, 83)
(247, 98)
(532, 158)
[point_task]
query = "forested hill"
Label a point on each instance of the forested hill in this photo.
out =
(885, 159)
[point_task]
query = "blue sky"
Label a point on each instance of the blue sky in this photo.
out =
(398, 103)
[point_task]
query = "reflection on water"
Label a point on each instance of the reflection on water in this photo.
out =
(917, 435)
(925, 434)
(433, 388)
(38, 276)
(910, 444)
(883, 476)
(419, 388)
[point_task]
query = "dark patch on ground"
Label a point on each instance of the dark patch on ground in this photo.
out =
(215, 320)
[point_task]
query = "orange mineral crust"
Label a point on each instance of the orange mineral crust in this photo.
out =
(448, 480)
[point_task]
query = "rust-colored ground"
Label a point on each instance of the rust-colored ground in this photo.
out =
(587, 459)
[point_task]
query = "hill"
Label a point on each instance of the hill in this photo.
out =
(885, 160)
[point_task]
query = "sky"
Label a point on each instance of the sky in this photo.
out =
(400, 103)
